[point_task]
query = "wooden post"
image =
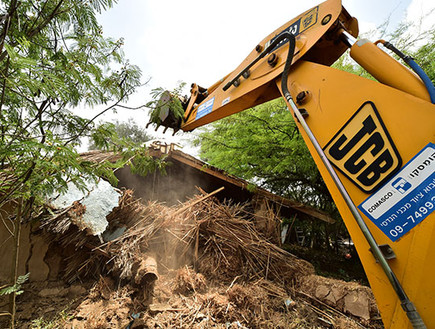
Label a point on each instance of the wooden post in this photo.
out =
(15, 259)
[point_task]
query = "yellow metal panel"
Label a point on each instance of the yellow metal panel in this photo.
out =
(334, 99)
(387, 70)
(259, 87)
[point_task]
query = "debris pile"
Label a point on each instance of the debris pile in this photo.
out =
(201, 264)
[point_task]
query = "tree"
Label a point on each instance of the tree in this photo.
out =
(409, 37)
(129, 131)
(263, 145)
(53, 58)
(425, 56)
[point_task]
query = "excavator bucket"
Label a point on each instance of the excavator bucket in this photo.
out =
(168, 111)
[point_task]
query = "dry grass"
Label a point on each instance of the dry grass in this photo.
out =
(215, 267)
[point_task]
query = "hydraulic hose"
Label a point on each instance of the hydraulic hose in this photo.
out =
(288, 64)
(278, 40)
(411, 312)
(415, 67)
(423, 76)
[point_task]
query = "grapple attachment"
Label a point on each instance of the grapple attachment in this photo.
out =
(168, 112)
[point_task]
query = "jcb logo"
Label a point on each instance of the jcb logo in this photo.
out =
(363, 150)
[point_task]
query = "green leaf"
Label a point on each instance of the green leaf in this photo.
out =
(16, 287)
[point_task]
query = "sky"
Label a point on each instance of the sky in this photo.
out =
(200, 41)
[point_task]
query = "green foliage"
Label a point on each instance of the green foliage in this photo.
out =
(59, 321)
(166, 100)
(15, 288)
(251, 187)
(131, 131)
(117, 135)
(425, 56)
(53, 58)
(142, 163)
(264, 146)
(102, 136)
(127, 138)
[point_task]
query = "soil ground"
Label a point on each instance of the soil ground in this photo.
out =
(181, 299)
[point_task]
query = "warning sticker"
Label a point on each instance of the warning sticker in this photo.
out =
(309, 19)
(407, 199)
(205, 108)
(302, 24)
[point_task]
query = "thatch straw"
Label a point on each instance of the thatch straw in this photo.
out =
(219, 239)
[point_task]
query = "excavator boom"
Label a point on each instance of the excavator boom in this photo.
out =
(373, 142)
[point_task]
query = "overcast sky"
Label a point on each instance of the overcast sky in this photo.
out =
(201, 41)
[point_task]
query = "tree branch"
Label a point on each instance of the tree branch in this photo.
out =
(91, 121)
(47, 20)
(222, 143)
(12, 9)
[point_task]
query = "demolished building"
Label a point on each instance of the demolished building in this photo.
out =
(208, 254)
(184, 175)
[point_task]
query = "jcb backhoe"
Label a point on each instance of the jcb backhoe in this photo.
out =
(373, 142)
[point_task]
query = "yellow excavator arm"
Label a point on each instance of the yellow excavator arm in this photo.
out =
(373, 142)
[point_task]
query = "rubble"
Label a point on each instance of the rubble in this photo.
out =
(201, 264)
(347, 297)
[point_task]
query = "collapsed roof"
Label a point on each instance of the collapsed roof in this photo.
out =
(186, 173)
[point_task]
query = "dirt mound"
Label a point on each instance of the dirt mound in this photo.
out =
(347, 297)
(202, 264)
(188, 281)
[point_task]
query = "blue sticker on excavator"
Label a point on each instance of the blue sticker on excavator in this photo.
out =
(407, 199)
(205, 108)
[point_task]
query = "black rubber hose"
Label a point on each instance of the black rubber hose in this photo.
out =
(416, 68)
(271, 47)
(288, 64)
